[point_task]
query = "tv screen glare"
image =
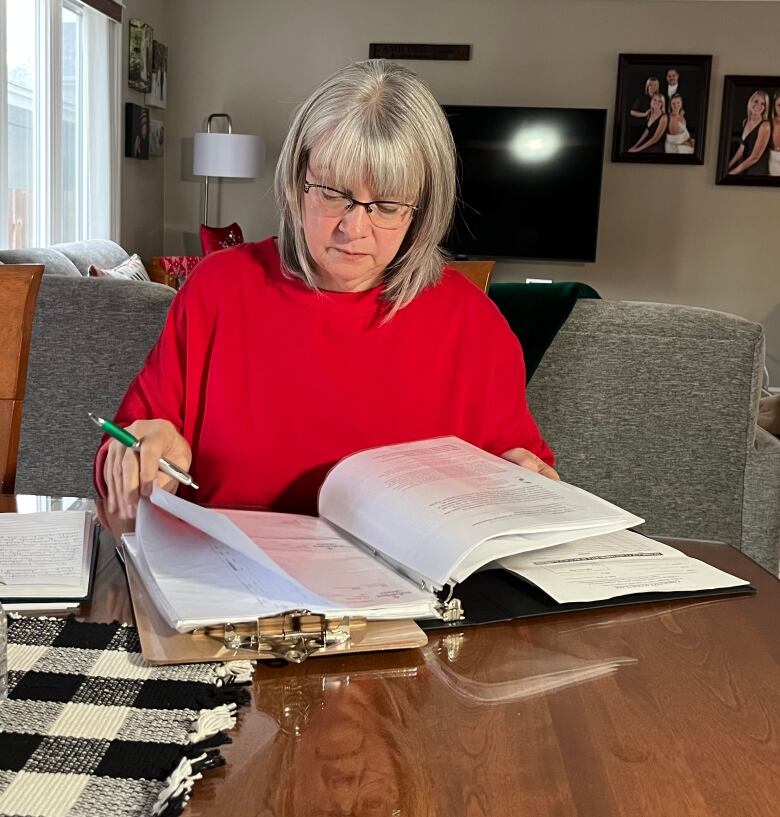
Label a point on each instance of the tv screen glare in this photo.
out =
(529, 182)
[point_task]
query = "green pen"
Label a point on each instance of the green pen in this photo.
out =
(126, 438)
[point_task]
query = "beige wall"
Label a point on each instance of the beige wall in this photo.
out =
(667, 233)
(142, 214)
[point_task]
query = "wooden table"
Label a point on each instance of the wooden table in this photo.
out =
(655, 710)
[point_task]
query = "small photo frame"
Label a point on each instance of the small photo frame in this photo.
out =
(749, 145)
(139, 58)
(156, 139)
(661, 108)
(157, 96)
(136, 131)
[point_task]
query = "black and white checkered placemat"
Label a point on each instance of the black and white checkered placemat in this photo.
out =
(90, 729)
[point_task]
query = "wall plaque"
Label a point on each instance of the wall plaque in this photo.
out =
(418, 51)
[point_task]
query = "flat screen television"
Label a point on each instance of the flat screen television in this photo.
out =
(529, 182)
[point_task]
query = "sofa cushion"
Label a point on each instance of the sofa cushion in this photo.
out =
(652, 407)
(133, 270)
(98, 251)
(90, 337)
(55, 263)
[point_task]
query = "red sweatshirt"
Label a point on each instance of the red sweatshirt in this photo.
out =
(272, 383)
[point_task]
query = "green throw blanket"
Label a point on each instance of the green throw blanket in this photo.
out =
(536, 312)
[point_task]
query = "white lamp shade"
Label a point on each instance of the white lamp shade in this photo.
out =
(230, 155)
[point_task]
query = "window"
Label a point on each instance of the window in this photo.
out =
(59, 67)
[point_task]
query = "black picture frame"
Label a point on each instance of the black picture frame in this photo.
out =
(738, 92)
(136, 131)
(636, 76)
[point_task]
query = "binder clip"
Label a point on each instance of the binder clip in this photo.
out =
(450, 609)
(293, 635)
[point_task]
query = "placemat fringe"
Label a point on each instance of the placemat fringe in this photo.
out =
(235, 672)
(178, 790)
(212, 721)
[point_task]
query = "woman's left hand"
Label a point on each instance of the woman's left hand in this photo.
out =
(527, 459)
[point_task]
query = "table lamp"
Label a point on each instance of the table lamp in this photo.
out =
(229, 155)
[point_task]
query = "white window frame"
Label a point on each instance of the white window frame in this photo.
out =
(48, 150)
(3, 127)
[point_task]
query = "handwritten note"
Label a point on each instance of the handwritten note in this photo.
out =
(41, 549)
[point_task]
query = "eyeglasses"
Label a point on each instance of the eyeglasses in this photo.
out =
(388, 215)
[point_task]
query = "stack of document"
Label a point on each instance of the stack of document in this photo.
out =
(46, 559)
(613, 565)
(396, 525)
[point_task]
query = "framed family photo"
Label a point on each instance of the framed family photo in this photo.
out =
(139, 56)
(749, 145)
(661, 108)
(156, 138)
(157, 96)
(136, 131)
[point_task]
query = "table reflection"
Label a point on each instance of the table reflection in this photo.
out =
(355, 741)
(360, 739)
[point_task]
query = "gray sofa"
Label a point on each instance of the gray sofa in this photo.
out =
(654, 407)
(72, 260)
(650, 406)
(90, 336)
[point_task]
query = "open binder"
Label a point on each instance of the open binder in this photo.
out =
(161, 644)
(492, 596)
(402, 533)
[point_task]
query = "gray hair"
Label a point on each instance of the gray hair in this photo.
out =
(374, 122)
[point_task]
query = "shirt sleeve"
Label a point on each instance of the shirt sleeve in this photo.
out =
(509, 419)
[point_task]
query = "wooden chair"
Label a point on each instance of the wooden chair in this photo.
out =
(19, 286)
(477, 271)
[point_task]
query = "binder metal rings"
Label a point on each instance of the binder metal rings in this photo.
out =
(293, 635)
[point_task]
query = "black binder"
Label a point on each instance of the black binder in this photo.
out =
(499, 595)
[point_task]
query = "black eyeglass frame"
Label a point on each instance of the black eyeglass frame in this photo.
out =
(307, 185)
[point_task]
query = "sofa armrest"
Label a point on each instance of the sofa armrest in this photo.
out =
(761, 510)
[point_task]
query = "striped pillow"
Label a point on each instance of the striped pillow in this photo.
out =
(133, 269)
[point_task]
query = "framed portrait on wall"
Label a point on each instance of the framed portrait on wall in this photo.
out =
(136, 131)
(139, 56)
(661, 108)
(749, 144)
(156, 138)
(156, 98)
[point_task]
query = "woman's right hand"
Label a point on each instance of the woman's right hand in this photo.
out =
(130, 474)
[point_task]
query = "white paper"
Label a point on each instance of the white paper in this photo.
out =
(43, 554)
(261, 564)
(615, 564)
(433, 504)
(322, 559)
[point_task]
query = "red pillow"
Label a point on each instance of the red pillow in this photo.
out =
(179, 266)
(218, 238)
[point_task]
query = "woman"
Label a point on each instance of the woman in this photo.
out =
(650, 140)
(640, 108)
(749, 157)
(678, 140)
(774, 146)
(342, 334)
